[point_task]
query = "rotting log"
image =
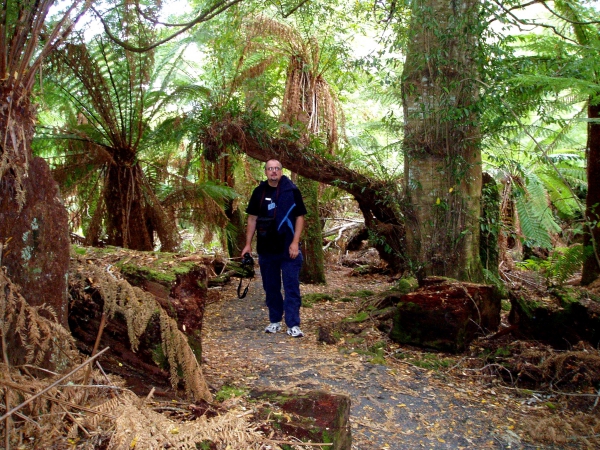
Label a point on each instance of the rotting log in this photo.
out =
(179, 288)
(560, 318)
(446, 314)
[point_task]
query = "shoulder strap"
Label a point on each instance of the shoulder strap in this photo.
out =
(264, 193)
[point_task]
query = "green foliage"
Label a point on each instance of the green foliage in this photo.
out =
(559, 266)
(308, 300)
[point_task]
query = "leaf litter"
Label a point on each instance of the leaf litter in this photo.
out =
(401, 397)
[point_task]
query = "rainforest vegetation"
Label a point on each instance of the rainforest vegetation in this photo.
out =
(458, 139)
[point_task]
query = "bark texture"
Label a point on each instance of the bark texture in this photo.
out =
(591, 269)
(441, 144)
(33, 220)
(313, 270)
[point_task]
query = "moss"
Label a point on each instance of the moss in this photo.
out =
(195, 344)
(406, 285)
(362, 293)
(308, 300)
(359, 317)
(226, 392)
(146, 273)
(79, 250)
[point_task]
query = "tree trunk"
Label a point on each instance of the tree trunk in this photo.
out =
(133, 211)
(128, 226)
(312, 271)
(34, 234)
(591, 269)
(236, 238)
(441, 144)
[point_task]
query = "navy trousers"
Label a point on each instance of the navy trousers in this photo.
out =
(273, 269)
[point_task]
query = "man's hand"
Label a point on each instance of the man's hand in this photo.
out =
(294, 250)
(247, 249)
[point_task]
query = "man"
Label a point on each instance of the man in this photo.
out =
(276, 212)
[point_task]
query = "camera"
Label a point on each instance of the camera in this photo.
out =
(247, 260)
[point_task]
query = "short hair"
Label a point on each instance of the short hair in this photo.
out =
(274, 159)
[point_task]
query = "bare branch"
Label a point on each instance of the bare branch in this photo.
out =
(210, 13)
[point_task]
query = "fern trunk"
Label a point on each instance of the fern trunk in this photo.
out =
(591, 267)
(442, 144)
(134, 214)
(34, 234)
(127, 223)
(236, 237)
(313, 271)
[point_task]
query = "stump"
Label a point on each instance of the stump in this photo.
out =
(446, 314)
(312, 416)
(561, 318)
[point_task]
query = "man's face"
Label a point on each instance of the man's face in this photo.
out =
(273, 171)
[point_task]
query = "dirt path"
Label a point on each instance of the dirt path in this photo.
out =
(394, 406)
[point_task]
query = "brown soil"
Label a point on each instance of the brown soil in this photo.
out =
(401, 397)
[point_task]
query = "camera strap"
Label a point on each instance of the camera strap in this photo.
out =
(239, 288)
(242, 294)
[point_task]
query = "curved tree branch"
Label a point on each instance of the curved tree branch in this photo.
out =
(378, 200)
(211, 12)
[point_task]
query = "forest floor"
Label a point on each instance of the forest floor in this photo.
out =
(400, 397)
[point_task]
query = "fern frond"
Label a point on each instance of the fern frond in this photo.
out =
(563, 263)
(530, 224)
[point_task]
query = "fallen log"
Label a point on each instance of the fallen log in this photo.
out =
(155, 306)
(561, 317)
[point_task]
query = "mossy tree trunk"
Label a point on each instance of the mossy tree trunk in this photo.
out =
(236, 236)
(34, 233)
(313, 270)
(442, 143)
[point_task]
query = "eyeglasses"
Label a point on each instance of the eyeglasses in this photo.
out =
(271, 169)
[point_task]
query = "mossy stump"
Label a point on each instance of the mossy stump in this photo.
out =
(446, 314)
(313, 416)
(561, 319)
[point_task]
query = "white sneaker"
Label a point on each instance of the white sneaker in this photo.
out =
(273, 327)
(295, 332)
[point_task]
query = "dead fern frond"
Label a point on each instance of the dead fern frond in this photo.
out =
(181, 357)
(34, 329)
(146, 429)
